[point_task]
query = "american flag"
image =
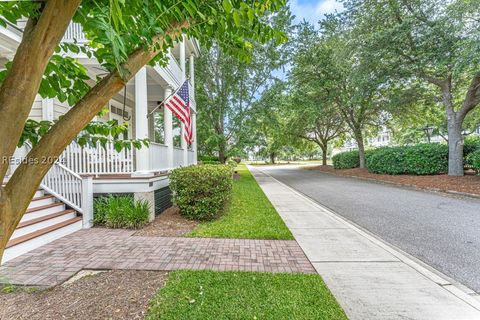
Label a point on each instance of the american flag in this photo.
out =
(179, 104)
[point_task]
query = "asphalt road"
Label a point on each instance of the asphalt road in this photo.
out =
(441, 230)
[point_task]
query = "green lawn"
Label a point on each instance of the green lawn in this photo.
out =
(243, 295)
(249, 216)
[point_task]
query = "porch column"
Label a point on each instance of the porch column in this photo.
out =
(182, 66)
(168, 129)
(194, 114)
(192, 74)
(141, 122)
(194, 142)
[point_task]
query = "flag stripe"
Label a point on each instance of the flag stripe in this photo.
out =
(179, 104)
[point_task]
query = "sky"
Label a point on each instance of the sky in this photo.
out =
(313, 10)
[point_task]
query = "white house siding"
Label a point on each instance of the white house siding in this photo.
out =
(59, 108)
(36, 112)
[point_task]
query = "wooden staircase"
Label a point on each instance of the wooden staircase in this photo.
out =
(45, 220)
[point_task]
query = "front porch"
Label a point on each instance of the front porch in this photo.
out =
(83, 172)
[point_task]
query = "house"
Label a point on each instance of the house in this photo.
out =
(64, 202)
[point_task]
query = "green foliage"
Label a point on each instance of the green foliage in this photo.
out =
(346, 160)
(250, 214)
(121, 212)
(224, 123)
(95, 132)
(207, 158)
(426, 47)
(231, 163)
(201, 192)
(471, 144)
(473, 159)
(244, 295)
(421, 159)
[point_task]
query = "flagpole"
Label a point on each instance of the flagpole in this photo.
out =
(164, 100)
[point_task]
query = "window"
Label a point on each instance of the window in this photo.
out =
(158, 127)
(177, 132)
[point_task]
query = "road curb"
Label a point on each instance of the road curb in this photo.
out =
(454, 287)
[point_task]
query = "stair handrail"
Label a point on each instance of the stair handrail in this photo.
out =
(71, 188)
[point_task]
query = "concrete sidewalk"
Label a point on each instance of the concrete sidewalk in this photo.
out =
(370, 279)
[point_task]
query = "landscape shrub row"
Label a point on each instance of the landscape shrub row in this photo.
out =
(471, 150)
(120, 212)
(202, 192)
(346, 160)
(420, 159)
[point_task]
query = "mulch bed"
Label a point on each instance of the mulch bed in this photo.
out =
(468, 184)
(168, 224)
(108, 295)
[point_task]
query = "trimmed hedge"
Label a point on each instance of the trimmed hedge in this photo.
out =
(420, 159)
(202, 192)
(346, 160)
(120, 212)
(473, 159)
(471, 153)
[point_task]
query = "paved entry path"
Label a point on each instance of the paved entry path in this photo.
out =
(370, 279)
(98, 248)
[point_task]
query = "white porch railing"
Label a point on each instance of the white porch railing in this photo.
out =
(67, 186)
(73, 190)
(177, 157)
(191, 157)
(158, 156)
(98, 159)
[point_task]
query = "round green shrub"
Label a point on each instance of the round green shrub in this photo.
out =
(420, 159)
(232, 163)
(201, 192)
(346, 160)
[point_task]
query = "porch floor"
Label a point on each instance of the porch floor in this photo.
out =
(99, 248)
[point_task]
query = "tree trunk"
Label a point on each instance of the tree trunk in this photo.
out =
(361, 148)
(455, 147)
(222, 152)
(272, 158)
(5, 216)
(324, 154)
(20, 86)
(17, 93)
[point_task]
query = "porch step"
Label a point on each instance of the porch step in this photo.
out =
(45, 220)
(40, 237)
(41, 201)
(41, 222)
(40, 211)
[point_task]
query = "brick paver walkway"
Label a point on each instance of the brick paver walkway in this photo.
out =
(119, 249)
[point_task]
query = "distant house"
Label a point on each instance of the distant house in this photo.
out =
(383, 138)
(64, 202)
